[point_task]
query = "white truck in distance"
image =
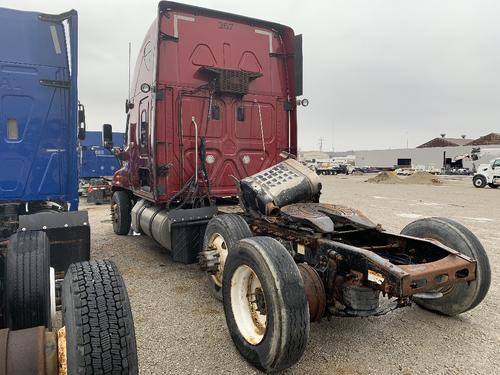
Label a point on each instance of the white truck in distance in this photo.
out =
(488, 174)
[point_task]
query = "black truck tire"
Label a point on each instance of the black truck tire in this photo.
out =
(223, 233)
(27, 280)
(261, 276)
(479, 181)
(121, 208)
(464, 296)
(100, 335)
(493, 186)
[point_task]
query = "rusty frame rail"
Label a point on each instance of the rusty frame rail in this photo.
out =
(404, 280)
(378, 272)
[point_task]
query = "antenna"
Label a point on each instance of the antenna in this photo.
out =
(129, 53)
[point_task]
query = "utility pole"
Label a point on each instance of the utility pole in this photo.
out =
(321, 144)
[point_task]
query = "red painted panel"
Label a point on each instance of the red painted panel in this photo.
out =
(191, 38)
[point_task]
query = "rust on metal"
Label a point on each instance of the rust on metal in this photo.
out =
(315, 291)
(51, 366)
(320, 215)
(405, 280)
(257, 305)
(428, 276)
(308, 213)
(360, 253)
(23, 351)
(61, 351)
(273, 228)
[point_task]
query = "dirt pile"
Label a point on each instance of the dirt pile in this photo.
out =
(385, 178)
(423, 178)
(419, 178)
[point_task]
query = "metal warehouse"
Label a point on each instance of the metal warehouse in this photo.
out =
(437, 153)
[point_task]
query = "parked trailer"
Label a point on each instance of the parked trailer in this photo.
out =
(44, 240)
(213, 105)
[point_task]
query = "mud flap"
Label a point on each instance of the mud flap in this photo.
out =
(97, 196)
(187, 228)
(68, 233)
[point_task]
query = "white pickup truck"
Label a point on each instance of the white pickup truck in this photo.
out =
(488, 174)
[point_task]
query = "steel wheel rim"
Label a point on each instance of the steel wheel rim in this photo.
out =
(248, 315)
(478, 182)
(216, 242)
(52, 295)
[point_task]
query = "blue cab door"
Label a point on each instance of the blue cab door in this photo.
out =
(37, 108)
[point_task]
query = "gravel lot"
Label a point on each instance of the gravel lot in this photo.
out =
(181, 328)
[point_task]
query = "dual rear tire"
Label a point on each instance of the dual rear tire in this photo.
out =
(265, 304)
(96, 312)
(262, 290)
(222, 235)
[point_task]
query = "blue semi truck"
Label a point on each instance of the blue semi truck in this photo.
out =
(98, 162)
(97, 156)
(44, 239)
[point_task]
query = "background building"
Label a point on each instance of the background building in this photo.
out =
(313, 155)
(436, 153)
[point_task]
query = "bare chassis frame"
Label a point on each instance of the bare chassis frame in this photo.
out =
(397, 265)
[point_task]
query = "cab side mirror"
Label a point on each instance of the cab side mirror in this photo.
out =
(107, 136)
(82, 127)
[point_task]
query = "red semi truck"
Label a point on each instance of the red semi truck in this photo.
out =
(213, 96)
(211, 122)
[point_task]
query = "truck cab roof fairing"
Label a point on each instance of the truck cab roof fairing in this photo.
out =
(164, 6)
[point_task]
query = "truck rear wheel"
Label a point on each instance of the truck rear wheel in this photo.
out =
(27, 281)
(221, 236)
(265, 304)
(100, 336)
(479, 181)
(120, 212)
(461, 297)
(493, 186)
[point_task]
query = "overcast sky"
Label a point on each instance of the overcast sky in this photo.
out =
(377, 73)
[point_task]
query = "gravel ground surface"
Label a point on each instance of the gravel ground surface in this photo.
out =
(181, 328)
